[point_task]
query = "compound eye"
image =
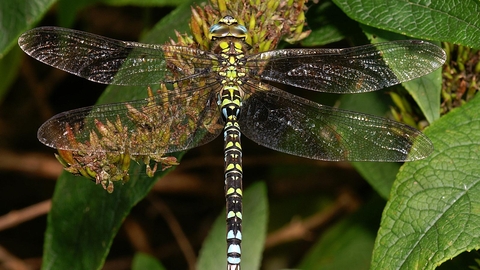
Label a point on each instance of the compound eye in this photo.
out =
(238, 31)
(218, 30)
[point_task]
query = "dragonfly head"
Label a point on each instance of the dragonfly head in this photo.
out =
(228, 27)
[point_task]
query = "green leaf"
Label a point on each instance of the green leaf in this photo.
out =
(455, 22)
(255, 217)
(68, 9)
(433, 213)
(9, 69)
(426, 93)
(16, 16)
(143, 261)
(85, 216)
(380, 175)
(328, 24)
(349, 243)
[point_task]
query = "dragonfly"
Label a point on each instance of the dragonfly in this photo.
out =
(226, 90)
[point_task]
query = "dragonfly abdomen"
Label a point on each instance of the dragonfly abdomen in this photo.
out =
(233, 189)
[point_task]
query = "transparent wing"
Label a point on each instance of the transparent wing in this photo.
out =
(350, 70)
(294, 125)
(164, 123)
(111, 61)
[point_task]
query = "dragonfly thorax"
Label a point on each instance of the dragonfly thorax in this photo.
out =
(231, 72)
(229, 46)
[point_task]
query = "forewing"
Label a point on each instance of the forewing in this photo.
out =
(294, 125)
(111, 61)
(350, 70)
